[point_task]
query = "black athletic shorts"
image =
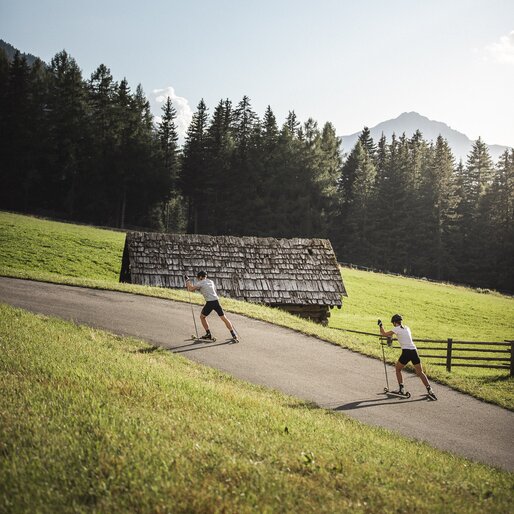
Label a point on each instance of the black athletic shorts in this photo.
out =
(408, 356)
(213, 305)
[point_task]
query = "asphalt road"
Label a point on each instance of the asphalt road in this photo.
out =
(302, 366)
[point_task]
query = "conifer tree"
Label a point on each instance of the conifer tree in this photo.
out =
(68, 134)
(437, 213)
(145, 179)
(244, 175)
(497, 220)
(220, 148)
(367, 142)
(173, 211)
(194, 161)
(356, 185)
(16, 134)
(473, 232)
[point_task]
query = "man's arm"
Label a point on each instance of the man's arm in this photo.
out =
(189, 285)
(389, 333)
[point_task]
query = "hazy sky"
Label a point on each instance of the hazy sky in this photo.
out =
(350, 62)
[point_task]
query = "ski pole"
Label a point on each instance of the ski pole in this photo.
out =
(385, 367)
(186, 278)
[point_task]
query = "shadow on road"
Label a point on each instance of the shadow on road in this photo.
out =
(381, 402)
(197, 345)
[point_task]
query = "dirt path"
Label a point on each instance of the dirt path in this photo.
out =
(298, 365)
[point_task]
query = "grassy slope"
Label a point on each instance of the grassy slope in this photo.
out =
(47, 247)
(434, 311)
(91, 422)
(57, 252)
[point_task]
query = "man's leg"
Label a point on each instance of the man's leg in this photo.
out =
(205, 323)
(399, 377)
(227, 322)
(421, 374)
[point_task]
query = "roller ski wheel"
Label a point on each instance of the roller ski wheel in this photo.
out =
(398, 393)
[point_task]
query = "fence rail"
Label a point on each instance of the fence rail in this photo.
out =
(452, 352)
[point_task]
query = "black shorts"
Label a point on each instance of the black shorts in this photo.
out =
(408, 356)
(213, 305)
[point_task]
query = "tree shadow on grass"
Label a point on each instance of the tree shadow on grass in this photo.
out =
(494, 379)
(151, 349)
(304, 405)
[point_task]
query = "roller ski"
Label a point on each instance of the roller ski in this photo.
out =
(430, 393)
(205, 338)
(400, 393)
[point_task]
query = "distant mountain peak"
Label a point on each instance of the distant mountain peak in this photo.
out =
(409, 122)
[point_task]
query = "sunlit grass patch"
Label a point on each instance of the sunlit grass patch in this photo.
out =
(91, 422)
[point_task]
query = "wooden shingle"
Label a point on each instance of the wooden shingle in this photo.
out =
(300, 275)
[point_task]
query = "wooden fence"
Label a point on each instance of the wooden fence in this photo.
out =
(454, 353)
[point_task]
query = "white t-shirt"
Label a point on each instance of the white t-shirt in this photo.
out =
(404, 337)
(208, 290)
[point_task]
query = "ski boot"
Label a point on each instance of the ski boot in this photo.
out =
(206, 337)
(235, 337)
(430, 393)
(401, 393)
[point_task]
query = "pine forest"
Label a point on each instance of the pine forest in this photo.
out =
(88, 150)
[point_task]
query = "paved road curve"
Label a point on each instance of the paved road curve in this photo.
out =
(298, 365)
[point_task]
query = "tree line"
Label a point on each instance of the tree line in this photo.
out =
(407, 206)
(89, 150)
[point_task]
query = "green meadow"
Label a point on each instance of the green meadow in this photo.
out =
(86, 256)
(91, 422)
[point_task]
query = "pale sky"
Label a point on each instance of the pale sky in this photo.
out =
(350, 62)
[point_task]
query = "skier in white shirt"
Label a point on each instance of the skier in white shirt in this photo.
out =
(409, 353)
(207, 288)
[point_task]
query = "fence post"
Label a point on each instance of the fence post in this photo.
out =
(512, 358)
(449, 355)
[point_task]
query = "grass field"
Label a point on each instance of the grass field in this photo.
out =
(91, 422)
(85, 256)
(432, 310)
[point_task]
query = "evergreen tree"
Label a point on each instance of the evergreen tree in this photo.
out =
(68, 135)
(194, 162)
(145, 183)
(292, 124)
(173, 211)
(37, 146)
(16, 133)
(356, 186)
(266, 220)
(367, 142)
(472, 227)
(220, 148)
(437, 213)
(243, 176)
(101, 182)
(497, 220)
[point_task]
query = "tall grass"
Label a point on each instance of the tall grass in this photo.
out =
(91, 422)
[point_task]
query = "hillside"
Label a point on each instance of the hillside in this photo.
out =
(10, 52)
(409, 122)
(91, 422)
(85, 256)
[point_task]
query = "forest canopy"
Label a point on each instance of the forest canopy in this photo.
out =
(89, 150)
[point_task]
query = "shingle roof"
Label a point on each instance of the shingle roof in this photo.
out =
(262, 270)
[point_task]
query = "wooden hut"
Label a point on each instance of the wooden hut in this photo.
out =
(299, 275)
